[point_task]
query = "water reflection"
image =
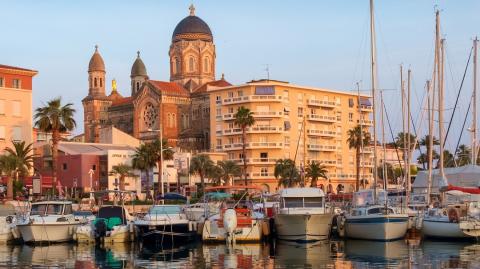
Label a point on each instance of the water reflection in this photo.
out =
(280, 254)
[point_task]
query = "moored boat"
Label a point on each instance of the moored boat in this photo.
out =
(302, 215)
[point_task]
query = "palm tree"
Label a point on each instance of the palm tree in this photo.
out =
(8, 167)
(56, 119)
(229, 169)
(144, 159)
(215, 174)
(423, 158)
(244, 118)
(464, 155)
(448, 160)
(122, 171)
(286, 173)
(201, 165)
(314, 171)
(358, 138)
(23, 155)
(425, 141)
(403, 137)
(167, 153)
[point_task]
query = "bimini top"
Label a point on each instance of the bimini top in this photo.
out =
(302, 192)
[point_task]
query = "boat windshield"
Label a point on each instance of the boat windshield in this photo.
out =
(38, 209)
(54, 209)
(380, 210)
(313, 201)
(299, 202)
(159, 210)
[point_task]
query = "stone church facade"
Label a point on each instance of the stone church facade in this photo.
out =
(180, 108)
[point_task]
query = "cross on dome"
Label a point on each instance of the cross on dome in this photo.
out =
(192, 10)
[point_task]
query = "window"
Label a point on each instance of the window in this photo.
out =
(2, 132)
(240, 93)
(230, 140)
(94, 167)
(230, 94)
(101, 82)
(138, 85)
(17, 133)
(287, 141)
(95, 82)
(350, 117)
(219, 142)
(264, 171)
(218, 99)
(68, 209)
(64, 166)
(350, 102)
(1, 82)
(230, 110)
(263, 156)
(16, 83)
(16, 108)
(230, 125)
(285, 94)
(174, 120)
(191, 64)
(206, 64)
(300, 112)
(2, 107)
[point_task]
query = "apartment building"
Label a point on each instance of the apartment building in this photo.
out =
(15, 105)
(291, 121)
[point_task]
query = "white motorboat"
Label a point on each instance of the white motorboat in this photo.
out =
(237, 220)
(302, 215)
(8, 223)
(372, 222)
(50, 221)
(113, 224)
(165, 224)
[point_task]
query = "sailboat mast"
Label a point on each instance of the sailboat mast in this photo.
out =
(430, 100)
(382, 123)
(374, 82)
(361, 134)
(440, 109)
(474, 123)
(409, 75)
(404, 142)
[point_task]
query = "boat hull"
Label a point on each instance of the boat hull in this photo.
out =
(32, 233)
(379, 228)
(174, 235)
(212, 232)
(303, 227)
(442, 228)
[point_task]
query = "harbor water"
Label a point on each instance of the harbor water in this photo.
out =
(279, 254)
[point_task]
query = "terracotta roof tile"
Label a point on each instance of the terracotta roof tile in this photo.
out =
(215, 83)
(170, 88)
(3, 66)
(122, 101)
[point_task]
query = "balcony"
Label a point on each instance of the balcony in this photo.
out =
(365, 122)
(322, 133)
(228, 116)
(328, 162)
(256, 161)
(321, 103)
(254, 130)
(252, 98)
(364, 108)
(316, 147)
(267, 114)
(367, 150)
(366, 164)
(322, 118)
(262, 176)
(234, 146)
(254, 145)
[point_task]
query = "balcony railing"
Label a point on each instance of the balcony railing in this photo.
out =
(262, 175)
(254, 145)
(267, 114)
(252, 98)
(323, 118)
(256, 161)
(321, 103)
(316, 147)
(254, 130)
(323, 133)
(328, 162)
(365, 108)
(365, 122)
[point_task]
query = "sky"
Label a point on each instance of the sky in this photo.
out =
(312, 43)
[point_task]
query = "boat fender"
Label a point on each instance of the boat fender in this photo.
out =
(190, 228)
(453, 215)
(230, 220)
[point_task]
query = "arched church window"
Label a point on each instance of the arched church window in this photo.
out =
(191, 63)
(182, 117)
(90, 82)
(206, 64)
(95, 82)
(169, 119)
(138, 85)
(174, 120)
(178, 67)
(101, 82)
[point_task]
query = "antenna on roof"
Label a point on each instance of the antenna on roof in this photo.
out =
(267, 69)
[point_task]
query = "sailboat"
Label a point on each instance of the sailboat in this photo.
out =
(372, 218)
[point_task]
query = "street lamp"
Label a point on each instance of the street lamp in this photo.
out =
(160, 167)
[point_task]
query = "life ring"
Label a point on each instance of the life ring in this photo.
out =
(453, 215)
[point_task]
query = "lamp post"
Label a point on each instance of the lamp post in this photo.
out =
(160, 166)
(90, 173)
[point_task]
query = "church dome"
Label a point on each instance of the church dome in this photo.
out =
(138, 67)
(96, 62)
(192, 27)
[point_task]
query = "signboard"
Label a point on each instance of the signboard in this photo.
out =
(37, 185)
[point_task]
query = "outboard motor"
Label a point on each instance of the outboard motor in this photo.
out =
(230, 224)
(100, 228)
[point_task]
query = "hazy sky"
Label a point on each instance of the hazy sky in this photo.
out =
(313, 43)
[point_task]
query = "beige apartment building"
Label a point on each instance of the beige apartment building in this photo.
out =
(15, 105)
(296, 122)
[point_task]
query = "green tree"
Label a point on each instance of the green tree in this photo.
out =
(23, 155)
(159, 150)
(244, 119)
(55, 119)
(122, 171)
(286, 173)
(314, 171)
(464, 155)
(357, 138)
(8, 168)
(390, 173)
(144, 159)
(228, 171)
(401, 137)
(201, 165)
(448, 160)
(425, 142)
